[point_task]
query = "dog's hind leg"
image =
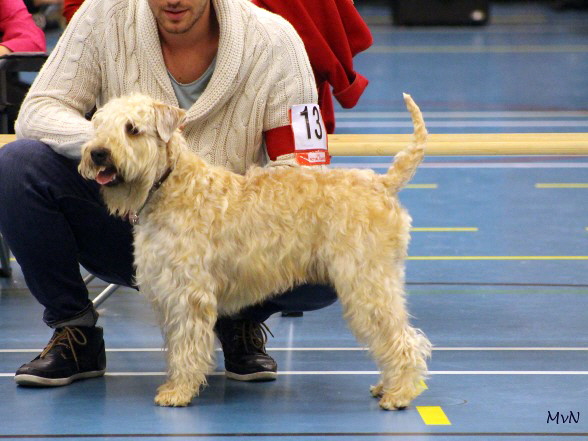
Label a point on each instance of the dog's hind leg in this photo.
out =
(187, 315)
(374, 306)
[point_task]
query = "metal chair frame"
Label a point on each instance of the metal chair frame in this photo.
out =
(107, 292)
(5, 267)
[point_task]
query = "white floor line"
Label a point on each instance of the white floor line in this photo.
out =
(464, 115)
(386, 124)
(506, 165)
(326, 349)
(290, 373)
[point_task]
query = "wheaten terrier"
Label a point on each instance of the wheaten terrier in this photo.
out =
(210, 242)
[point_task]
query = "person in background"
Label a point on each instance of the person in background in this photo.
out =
(19, 33)
(46, 13)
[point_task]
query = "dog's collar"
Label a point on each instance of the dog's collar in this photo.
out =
(134, 215)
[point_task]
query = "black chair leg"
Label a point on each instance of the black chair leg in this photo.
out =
(5, 268)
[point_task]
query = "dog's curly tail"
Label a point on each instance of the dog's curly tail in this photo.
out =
(407, 160)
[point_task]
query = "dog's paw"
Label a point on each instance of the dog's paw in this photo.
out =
(377, 390)
(397, 398)
(173, 395)
(388, 402)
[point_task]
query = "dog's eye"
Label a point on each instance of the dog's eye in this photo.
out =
(131, 129)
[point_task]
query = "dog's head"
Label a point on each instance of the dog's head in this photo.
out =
(134, 143)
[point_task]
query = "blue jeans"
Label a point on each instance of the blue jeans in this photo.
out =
(54, 220)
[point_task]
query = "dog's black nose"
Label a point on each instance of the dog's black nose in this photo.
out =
(100, 155)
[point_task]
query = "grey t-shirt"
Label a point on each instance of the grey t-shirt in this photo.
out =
(187, 94)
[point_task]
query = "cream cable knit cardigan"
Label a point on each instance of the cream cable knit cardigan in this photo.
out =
(111, 48)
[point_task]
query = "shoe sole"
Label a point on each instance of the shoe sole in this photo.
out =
(34, 380)
(255, 376)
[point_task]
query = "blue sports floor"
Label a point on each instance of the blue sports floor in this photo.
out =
(497, 276)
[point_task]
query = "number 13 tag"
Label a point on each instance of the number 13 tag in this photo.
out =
(310, 135)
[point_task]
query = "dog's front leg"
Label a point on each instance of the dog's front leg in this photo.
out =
(188, 315)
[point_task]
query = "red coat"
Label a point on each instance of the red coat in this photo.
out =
(70, 7)
(333, 32)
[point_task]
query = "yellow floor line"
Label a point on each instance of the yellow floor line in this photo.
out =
(444, 229)
(498, 258)
(422, 186)
(433, 416)
(562, 185)
(12, 259)
(501, 49)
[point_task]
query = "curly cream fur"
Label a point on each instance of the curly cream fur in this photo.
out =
(211, 242)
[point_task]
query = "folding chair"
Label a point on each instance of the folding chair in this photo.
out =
(5, 268)
(15, 62)
(107, 292)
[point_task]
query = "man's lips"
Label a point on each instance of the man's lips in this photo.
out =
(175, 15)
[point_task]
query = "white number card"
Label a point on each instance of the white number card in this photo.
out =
(309, 129)
(310, 135)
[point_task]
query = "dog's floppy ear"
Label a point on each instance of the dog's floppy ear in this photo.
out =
(167, 120)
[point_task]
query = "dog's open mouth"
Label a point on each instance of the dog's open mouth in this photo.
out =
(108, 176)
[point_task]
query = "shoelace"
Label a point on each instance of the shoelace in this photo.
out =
(67, 337)
(257, 340)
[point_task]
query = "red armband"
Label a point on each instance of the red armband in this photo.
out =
(279, 141)
(306, 137)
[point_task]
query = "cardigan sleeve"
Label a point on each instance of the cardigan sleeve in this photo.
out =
(66, 88)
(19, 31)
(293, 82)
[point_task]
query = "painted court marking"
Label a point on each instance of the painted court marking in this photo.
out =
(457, 124)
(327, 349)
(292, 373)
(444, 229)
(422, 186)
(562, 185)
(465, 114)
(497, 258)
(484, 257)
(479, 49)
(433, 416)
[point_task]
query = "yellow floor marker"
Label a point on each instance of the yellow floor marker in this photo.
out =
(422, 186)
(445, 229)
(497, 258)
(562, 185)
(423, 386)
(433, 416)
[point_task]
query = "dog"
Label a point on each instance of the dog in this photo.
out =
(210, 242)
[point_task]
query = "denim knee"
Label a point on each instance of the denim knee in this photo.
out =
(15, 158)
(23, 151)
(19, 160)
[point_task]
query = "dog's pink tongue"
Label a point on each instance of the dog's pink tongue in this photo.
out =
(105, 177)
